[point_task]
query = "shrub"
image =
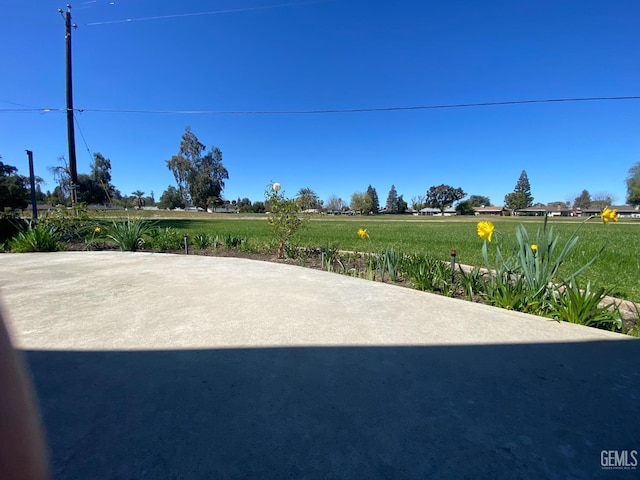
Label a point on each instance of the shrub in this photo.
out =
(285, 219)
(586, 306)
(129, 235)
(38, 237)
(167, 238)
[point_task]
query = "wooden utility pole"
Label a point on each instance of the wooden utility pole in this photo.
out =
(73, 169)
(32, 182)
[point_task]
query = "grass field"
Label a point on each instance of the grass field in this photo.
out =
(618, 267)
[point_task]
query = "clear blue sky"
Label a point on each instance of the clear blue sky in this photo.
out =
(340, 54)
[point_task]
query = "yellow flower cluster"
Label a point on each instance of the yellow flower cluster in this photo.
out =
(608, 214)
(362, 233)
(485, 230)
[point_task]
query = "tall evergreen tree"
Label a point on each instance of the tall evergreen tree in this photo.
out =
(521, 196)
(392, 200)
(583, 200)
(373, 197)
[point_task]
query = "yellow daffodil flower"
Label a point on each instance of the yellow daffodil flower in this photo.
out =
(608, 214)
(534, 247)
(98, 230)
(362, 233)
(485, 230)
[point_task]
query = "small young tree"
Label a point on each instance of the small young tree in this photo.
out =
(285, 220)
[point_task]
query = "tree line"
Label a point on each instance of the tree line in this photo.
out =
(200, 177)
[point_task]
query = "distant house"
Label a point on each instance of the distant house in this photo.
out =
(429, 211)
(624, 211)
(490, 210)
(532, 211)
(437, 212)
(548, 211)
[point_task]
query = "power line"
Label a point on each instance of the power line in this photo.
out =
(214, 12)
(328, 111)
(83, 139)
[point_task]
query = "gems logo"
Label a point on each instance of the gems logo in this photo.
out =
(619, 459)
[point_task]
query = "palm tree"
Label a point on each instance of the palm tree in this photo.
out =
(138, 202)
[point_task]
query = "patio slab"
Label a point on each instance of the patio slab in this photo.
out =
(169, 366)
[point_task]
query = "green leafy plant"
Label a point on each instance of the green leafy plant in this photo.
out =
(523, 278)
(201, 240)
(37, 237)
(391, 260)
(291, 250)
(472, 282)
(330, 255)
(167, 238)
(426, 273)
(586, 306)
(72, 223)
(129, 234)
(233, 241)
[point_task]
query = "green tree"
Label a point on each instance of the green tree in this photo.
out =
(633, 185)
(583, 200)
(308, 199)
(402, 204)
(443, 196)
(465, 208)
(101, 175)
(373, 200)
(207, 177)
(479, 201)
(13, 188)
(360, 202)
(171, 198)
(200, 178)
(139, 200)
(521, 195)
(392, 200)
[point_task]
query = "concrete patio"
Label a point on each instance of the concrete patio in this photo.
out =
(169, 366)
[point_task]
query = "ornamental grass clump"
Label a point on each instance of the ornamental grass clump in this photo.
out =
(129, 235)
(524, 276)
(37, 237)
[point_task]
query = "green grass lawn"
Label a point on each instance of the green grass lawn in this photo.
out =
(618, 267)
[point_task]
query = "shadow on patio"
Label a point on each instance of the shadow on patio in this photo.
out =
(488, 411)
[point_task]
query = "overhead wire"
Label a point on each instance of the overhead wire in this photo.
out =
(214, 12)
(328, 111)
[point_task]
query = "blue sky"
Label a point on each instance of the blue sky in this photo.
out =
(338, 54)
